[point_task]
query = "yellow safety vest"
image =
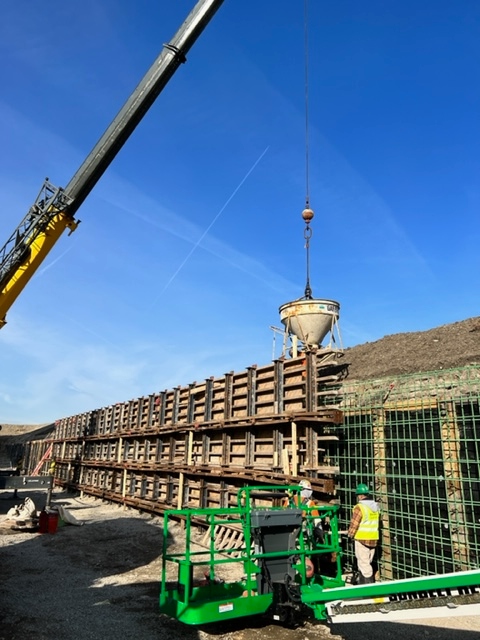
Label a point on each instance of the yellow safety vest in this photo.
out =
(368, 529)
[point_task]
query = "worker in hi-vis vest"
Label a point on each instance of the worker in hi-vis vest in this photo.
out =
(364, 530)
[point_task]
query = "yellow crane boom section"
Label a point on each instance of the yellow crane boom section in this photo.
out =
(37, 251)
(54, 209)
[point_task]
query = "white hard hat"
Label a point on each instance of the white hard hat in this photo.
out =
(306, 484)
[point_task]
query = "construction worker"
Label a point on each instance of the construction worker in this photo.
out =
(324, 564)
(51, 468)
(305, 499)
(364, 530)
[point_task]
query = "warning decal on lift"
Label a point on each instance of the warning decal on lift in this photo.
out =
(223, 608)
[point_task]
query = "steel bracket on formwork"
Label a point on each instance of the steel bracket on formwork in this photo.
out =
(151, 410)
(163, 408)
(278, 445)
(278, 386)
(138, 421)
(311, 446)
(205, 448)
(225, 448)
(207, 415)
(191, 404)
(310, 381)
(228, 401)
(251, 390)
(249, 448)
(175, 407)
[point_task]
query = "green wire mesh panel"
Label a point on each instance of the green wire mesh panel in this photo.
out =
(415, 441)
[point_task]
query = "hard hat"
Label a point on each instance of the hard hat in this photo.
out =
(362, 489)
(306, 484)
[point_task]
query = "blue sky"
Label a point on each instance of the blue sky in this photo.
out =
(193, 238)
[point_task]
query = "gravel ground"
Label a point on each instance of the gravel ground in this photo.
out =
(101, 580)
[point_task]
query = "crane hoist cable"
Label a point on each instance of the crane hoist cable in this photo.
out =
(307, 213)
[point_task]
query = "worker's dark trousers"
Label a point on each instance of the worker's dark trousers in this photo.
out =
(362, 580)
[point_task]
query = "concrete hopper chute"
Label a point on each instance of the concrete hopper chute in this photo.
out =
(310, 321)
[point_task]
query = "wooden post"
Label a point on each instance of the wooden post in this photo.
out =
(286, 461)
(453, 485)
(294, 449)
(181, 482)
(381, 487)
(190, 449)
(124, 486)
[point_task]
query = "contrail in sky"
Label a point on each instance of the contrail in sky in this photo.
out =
(48, 266)
(195, 246)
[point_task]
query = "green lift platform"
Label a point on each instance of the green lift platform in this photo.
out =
(286, 565)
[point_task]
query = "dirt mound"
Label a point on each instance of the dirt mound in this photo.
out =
(13, 438)
(449, 346)
(28, 430)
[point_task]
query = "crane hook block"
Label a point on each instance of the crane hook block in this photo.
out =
(307, 215)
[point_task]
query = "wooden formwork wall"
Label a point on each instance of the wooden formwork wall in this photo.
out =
(415, 439)
(196, 445)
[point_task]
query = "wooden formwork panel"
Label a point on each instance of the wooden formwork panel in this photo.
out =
(116, 481)
(214, 453)
(102, 425)
(238, 447)
(116, 418)
(200, 401)
(168, 406)
(196, 445)
(149, 450)
(108, 425)
(67, 450)
(212, 493)
(62, 474)
(218, 399)
(294, 376)
(284, 387)
(63, 427)
(156, 490)
(163, 448)
(178, 450)
(264, 391)
(239, 394)
(290, 448)
(147, 412)
(60, 429)
(199, 492)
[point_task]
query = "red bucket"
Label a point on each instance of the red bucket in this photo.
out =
(48, 522)
(52, 522)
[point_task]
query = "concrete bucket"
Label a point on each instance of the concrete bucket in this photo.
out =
(310, 320)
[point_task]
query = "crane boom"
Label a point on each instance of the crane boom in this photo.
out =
(54, 209)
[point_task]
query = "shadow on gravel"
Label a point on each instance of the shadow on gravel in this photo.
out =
(96, 581)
